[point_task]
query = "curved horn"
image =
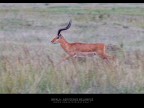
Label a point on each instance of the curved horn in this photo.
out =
(67, 27)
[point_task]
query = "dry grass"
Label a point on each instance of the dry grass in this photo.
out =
(29, 73)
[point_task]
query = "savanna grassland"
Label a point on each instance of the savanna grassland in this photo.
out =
(28, 59)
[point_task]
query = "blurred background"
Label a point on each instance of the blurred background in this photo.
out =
(27, 54)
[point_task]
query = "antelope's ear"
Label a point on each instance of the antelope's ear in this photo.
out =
(60, 37)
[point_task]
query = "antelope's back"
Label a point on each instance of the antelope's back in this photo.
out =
(82, 47)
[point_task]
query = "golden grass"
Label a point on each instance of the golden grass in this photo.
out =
(28, 73)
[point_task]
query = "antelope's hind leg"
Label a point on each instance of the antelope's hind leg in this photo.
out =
(108, 59)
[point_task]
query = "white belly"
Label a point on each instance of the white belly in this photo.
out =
(83, 54)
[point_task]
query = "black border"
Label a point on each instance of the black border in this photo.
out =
(71, 1)
(117, 100)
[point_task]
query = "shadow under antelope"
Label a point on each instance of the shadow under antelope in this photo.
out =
(80, 49)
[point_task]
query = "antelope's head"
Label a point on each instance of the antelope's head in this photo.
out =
(59, 37)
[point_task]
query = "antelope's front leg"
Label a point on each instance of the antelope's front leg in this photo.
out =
(66, 58)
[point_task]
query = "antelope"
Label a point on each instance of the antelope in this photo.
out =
(79, 49)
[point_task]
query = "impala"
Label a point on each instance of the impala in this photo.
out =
(80, 49)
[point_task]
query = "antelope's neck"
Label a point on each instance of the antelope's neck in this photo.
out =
(65, 45)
